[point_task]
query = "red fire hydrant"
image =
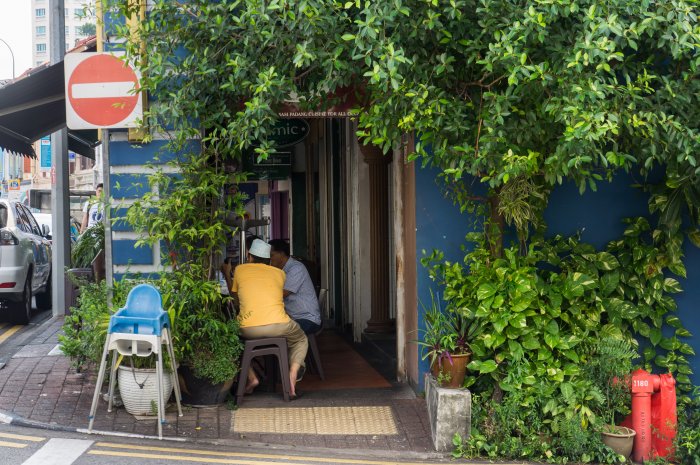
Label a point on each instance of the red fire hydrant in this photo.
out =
(653, 415)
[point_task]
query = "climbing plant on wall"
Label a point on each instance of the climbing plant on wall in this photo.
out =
(518, 95)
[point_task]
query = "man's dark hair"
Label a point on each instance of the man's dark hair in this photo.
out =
(280, 245)
(256, 259)
(99, 185)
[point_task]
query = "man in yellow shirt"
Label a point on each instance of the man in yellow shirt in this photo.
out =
(259, 290)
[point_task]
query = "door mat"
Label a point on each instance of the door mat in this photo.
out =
(370, 420)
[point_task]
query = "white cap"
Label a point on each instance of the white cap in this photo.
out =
(260, 249)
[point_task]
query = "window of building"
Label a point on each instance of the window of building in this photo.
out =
(41, 48)
(65, 12)
(40, 12)
(85, 162)
(67, 31)
(78, 13)
(40, 31)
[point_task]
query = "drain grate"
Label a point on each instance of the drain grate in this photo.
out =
(374, 420)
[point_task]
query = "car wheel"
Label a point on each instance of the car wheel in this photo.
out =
(43, 300)
(22, 310)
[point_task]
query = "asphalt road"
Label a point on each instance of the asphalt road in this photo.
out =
(13, 337)
(29, 446)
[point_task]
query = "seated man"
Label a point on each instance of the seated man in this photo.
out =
(258, 288)
(300, 299)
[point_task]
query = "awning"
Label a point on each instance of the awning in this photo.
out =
(33, 107)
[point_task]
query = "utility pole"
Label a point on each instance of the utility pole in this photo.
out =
(60, 193)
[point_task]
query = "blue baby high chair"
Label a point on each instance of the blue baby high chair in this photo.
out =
(139, 329)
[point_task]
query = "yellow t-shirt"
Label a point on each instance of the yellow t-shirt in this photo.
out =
(259, 288)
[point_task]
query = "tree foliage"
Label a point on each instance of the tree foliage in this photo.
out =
(550, 89)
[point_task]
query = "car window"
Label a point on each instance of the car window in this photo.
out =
(3, 216)
(21, 220)
(31, 221)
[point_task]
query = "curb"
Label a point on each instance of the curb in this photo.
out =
(434, 457)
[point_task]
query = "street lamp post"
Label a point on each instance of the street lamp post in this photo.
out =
(13, 57)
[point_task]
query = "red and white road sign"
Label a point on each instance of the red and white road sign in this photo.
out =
(101, 91)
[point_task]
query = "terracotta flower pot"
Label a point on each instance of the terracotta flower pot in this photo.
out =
(453, 372)
(619, 438)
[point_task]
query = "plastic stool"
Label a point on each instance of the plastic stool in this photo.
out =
(314, 356)
(139, 329)
(276, 346)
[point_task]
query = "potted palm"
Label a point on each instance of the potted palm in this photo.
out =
(609, 367)
(446, 343)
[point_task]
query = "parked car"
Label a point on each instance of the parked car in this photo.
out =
(45, 219)
(25, 261)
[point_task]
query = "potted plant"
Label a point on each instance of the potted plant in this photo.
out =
(609, 368)
(205, 337)
(189, 224)
(445, 342)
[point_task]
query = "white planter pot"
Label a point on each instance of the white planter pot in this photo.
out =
(138, 401)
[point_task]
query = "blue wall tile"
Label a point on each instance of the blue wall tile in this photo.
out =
(125, 252)
(125, 153)
(128, 185)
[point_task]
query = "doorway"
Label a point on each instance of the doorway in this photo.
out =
(321, 203)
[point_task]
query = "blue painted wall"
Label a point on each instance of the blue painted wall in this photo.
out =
(439, 225)
(597, 214)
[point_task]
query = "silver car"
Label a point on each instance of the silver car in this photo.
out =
(25, 262)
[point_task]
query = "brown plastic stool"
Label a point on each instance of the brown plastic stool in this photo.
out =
(276, 346)
(314, 356)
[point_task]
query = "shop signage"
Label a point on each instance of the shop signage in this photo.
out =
(101, 92)
(277, 166)
(288, 132)
(13, 184)
(46, 153)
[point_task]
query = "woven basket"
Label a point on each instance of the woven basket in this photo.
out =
(144, 401)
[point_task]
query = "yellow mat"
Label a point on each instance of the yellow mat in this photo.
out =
(315, 420)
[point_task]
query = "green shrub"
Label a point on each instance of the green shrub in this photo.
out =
(85, 329)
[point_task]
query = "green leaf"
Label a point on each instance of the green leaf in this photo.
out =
(606, 261)
(551, 340)
(489, 366)
(609, 282)
(672, 286)
(531, 343)
(485, 291)
(516, 350)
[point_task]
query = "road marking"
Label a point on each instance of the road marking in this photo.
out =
(4, 336)
(175, 450)
(22, 437)
(16, 445)
(59, 452)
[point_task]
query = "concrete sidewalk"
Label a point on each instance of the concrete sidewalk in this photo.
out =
(39, 388)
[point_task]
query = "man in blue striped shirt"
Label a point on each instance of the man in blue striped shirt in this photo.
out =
(300, 301)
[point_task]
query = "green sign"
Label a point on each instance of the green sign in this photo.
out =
(288, 132)
(278, 166)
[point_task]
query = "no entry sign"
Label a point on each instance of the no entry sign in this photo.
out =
(101, 92)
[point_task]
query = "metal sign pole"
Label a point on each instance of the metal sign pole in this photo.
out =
(60, 195)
